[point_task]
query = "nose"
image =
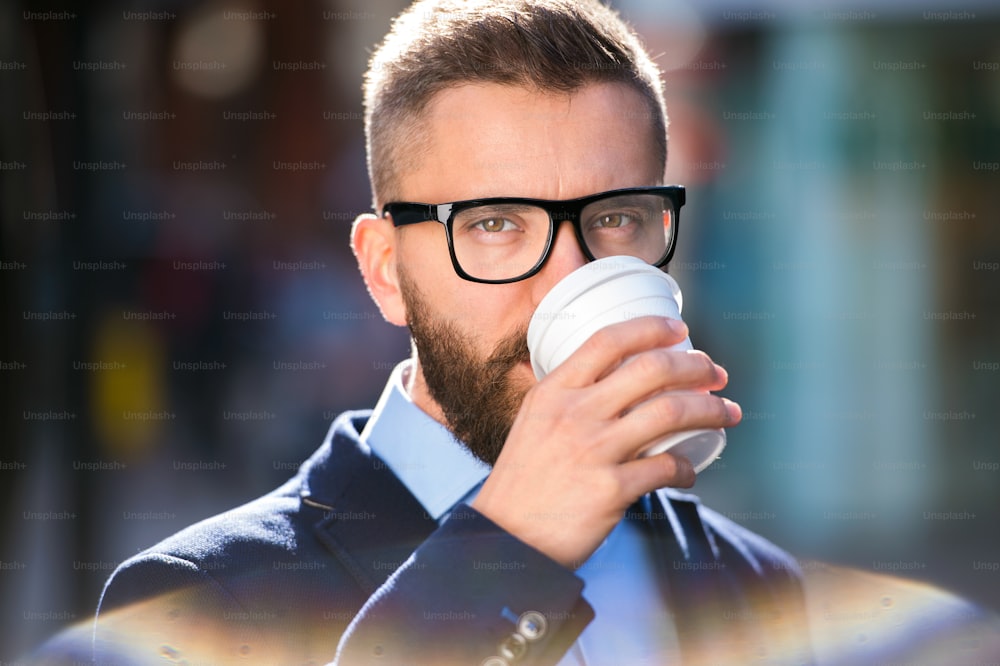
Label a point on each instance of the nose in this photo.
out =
(566, 257)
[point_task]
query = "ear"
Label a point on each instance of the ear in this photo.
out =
(373, 240)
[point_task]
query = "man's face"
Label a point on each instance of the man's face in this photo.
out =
(487, 140)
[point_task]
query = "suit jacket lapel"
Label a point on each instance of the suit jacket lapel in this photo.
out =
(694, 578)
(720, 613)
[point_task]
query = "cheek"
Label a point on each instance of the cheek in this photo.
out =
(422, 253)
(499, 309)
(483, 317)
(483, 313)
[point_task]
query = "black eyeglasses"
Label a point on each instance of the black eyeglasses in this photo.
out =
(506, 239)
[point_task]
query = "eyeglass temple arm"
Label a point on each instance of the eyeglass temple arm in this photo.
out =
(412, 213)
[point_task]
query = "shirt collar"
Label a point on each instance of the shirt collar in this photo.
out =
(421, 452)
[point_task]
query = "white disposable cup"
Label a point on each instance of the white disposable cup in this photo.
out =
(605, 292)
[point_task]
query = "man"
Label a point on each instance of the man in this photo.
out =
(479, 516)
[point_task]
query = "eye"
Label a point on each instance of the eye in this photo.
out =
(494, 224)
(613, 220)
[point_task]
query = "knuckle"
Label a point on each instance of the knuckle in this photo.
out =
(670, 409)
(651, 364)
(611, 485)
(609, 336)
(540, 400)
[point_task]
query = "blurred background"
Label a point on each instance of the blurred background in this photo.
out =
(183, 317)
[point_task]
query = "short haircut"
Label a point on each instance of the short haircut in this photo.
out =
(554, 46)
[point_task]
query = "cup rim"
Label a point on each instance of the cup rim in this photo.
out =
(589, 277)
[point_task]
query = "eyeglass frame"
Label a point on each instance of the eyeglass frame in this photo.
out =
(404, 213)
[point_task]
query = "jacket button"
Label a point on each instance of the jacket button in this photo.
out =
(513, 648)
(532, 625)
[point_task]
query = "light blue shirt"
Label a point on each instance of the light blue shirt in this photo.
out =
(632, 624)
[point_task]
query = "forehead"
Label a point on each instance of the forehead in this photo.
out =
(482, 140)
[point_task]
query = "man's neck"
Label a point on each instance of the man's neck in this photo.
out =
(419, 394)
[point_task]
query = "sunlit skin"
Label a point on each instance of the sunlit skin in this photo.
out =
(568, 469)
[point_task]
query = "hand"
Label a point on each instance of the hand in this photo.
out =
(568, 470)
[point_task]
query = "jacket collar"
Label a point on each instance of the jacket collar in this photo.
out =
(349, 489)
(683, 514)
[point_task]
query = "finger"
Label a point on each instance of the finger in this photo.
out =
(652, 372)
(638, 477)
(666, 414)
(609, 346)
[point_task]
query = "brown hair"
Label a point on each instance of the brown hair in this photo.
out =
(549, 45)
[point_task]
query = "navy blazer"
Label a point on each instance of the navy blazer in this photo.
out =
(341, 564)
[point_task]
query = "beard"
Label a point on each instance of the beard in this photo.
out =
(479, 397)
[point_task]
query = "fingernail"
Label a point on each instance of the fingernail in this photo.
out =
(734, 411)
(677, 326)
(686, 470)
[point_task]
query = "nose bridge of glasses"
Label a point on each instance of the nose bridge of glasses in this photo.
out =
(561, 212)
(559, 215)
(573, 212)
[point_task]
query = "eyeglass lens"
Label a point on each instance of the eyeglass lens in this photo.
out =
(505, 241)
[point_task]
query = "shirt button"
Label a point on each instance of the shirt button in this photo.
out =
(495, 661)
(513, 648)
(532, 625)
